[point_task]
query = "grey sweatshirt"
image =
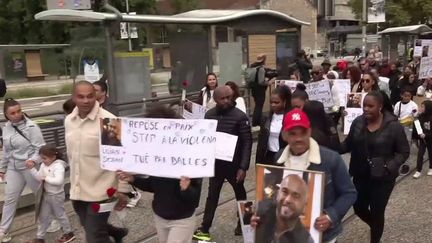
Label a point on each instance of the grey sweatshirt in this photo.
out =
(16, 148)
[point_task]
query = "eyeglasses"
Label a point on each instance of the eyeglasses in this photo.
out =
(367, 80)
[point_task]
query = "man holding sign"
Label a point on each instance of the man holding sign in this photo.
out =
(89, 182)
(234, 122)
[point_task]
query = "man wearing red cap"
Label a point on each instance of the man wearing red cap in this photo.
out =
(304, 153)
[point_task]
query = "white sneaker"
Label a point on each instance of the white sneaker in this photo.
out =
(54, 226)
(5, 237)
(429, 172)
(417, 175)
(133, 201)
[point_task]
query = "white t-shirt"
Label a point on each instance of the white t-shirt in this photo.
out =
(406, 110)
(53, 175)
(300, 162)
(275, 130)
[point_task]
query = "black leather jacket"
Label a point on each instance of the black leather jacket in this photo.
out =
(234, 121)
(263, 139)
(390, 144)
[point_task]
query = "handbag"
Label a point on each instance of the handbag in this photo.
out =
(378, 165)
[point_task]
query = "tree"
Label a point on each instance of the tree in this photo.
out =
(181, 6)
(400, 12)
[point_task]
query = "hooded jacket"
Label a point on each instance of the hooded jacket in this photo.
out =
(390, 144)
(16, 148)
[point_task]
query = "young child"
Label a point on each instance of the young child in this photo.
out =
(425, 138)
(406, 109)
(51, 174)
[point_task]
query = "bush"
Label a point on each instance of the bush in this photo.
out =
(39, 92)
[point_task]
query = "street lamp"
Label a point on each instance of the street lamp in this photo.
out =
(364, 23)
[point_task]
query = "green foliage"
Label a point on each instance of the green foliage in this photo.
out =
(184, 5)
(400, 12)
(38, 92)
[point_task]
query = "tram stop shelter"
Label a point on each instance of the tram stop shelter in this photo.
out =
(397, 41)
(191, 40)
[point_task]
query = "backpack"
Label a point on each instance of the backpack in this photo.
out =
(250, 75)
(3, 88)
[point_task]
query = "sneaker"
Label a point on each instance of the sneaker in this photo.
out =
(133, 201)
(429, 173)
(36, 241)
(66, 238)
(5, 237)
(54, 226)
(417, 175)
(238, 231)
(201, 235)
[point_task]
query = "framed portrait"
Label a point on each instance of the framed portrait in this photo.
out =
(288, 202)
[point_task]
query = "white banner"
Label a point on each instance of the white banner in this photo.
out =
(343, 86)
(423, 48)
(351, 115)
(193, 110)
(225, 146)
(320, 91)
(159, 147)
(425, 67)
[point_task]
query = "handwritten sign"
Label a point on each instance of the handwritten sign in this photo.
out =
(193, 110)
(320, 91)
(425, 67)
(292, 84)
(351, 115)
(159, 147)
(225, 146)
(343, 86)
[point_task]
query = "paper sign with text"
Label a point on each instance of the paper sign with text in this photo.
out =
(292, 84)
(343, 86)
(159, 147)
(193, 110)
(225, 146)
(321, 92)
(425, 67)
(351, 115)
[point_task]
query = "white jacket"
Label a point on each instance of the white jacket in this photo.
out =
(52, 175)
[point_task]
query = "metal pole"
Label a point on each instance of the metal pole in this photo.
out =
(110, 63)
(364, 23)
(128, 27)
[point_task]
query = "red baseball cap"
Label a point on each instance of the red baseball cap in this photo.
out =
(295, 118)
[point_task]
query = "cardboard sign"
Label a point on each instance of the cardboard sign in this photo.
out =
(321, 92)
(343, 87)
(425, 67)
(351, 115)
(193, 110)
(159, 147)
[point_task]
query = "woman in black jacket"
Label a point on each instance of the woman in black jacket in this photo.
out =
(174, 200)
(378, 147)
(425, 137)
(394, 77)
(269, 138)
(323, 129)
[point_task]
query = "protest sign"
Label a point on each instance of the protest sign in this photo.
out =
(292, 84)
(271, 185)
(351, 115)
(423, 48)
(225, 146)
(193, 110)
(321, 92)
(425, 67)
(246, 210)
(355, 100)
(159, 147)
(343, 86)
(418, 127)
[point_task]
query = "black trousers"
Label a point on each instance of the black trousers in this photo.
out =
(372, 199)
(259, 95)
(95, 225)
(215, 186)
(423, 145)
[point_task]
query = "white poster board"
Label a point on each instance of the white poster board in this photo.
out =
(418, 127)
(425, 67)
(292, 84)
(159, 147)
(351, 115)
(320, 91)
(343, 86)
(193, 110)
(91, 71)
(225, 146)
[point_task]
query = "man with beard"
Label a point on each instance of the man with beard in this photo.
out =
(235, 122)
(280, 220)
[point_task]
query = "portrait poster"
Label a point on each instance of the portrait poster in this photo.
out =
(246, 210)
(350, 115)
(192, 110)
(300, 210)
(355, 100)
(168, 148)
